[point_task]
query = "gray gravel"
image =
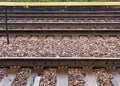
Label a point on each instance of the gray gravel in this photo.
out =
(60, 47)
(3, 72)
(103, 78)
(22, 77)
(48, 78)
(76, 77)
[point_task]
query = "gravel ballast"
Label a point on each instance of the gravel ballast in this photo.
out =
(82, 46)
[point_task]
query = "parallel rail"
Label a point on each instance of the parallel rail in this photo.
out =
(64, 23)
(61, 14)
(63, 61)
(78, 26)
(59, 62)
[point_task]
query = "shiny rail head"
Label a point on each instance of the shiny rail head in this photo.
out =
(59, 3)
(60, 58)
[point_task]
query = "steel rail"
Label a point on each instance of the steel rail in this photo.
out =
(61, 30)
(60, 16)
(59, 62)
(65, 23)
(61, 12)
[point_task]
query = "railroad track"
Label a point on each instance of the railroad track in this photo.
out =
(114, 26)
(65, 48)
(59, 76)
(61, 14)
(56, 21)
(60, 20)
